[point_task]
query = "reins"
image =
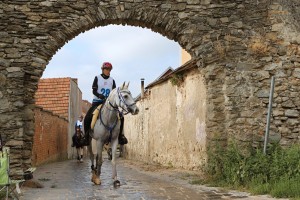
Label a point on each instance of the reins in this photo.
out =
(110, 128)
(114, 109)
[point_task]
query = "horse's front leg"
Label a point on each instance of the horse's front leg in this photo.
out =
(114, 145)
(99, 162)
(92, 158)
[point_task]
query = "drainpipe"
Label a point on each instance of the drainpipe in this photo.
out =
(142, 88)
(269, 115)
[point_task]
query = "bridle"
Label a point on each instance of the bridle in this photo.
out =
(124, 102)
(116, 109)
(121, 98)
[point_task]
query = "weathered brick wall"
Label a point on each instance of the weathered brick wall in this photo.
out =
(50, 138)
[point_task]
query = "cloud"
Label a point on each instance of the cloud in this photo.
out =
(134, 52)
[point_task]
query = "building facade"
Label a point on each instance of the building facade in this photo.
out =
(62, 97)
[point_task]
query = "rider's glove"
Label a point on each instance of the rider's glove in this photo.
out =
(101, 96)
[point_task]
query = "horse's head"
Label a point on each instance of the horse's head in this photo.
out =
(124, 99)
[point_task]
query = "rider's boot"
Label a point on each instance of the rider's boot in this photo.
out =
(122, 139)
(91, 131)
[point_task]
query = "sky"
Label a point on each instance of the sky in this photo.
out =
(134, 52)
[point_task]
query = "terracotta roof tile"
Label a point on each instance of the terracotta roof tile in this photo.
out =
(53, 94)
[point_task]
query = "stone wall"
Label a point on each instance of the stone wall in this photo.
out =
(50, 137)
(238, 46)
(272, 52)
(170, 128)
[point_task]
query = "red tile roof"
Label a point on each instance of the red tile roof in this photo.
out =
(53, 95)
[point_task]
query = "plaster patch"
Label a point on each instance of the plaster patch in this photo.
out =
(178, 99)
(200, 132)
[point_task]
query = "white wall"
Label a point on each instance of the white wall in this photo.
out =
(170, 128)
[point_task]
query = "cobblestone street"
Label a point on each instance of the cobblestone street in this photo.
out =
(71, 180)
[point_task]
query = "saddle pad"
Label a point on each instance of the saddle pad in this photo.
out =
(95, 116)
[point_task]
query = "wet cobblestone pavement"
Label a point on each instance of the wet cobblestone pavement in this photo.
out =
(71, 180)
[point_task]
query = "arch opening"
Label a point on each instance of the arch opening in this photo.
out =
(123, 64)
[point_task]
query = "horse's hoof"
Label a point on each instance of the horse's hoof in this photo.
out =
(117, 183)
(97, 181)
(93, 176)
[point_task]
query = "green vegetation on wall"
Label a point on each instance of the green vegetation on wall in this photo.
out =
(176, 79)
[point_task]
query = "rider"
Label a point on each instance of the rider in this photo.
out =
(79, 122)
(103, 84)
(78, 142)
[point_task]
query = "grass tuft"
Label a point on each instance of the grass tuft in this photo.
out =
(277, 173)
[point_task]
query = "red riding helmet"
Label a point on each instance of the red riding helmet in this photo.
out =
(106, 65)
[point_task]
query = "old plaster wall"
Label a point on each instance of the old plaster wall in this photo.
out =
(237, 45)
(170, 128)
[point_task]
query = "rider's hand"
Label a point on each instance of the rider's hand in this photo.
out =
(101, 96)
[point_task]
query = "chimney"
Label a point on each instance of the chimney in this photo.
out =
(142, 88)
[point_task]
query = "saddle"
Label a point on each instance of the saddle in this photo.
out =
(96, 114)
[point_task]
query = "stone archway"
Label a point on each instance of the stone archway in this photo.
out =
(237, 45)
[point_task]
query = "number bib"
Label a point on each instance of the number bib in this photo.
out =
(104, 86)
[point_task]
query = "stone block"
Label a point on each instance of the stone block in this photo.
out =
(277, 27)
(4, 62)
(263, 93)
(5, 105)
(245, 66)
(15, 143)
(2, 80)
(274, 137)
(277, 113)
(288, 104)
(195, 2)
(291, 113)
(205, 2)
(292, 122)
(224, 19)
(296, 73)
(13, 69)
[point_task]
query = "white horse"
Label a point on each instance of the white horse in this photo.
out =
(107, 128)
